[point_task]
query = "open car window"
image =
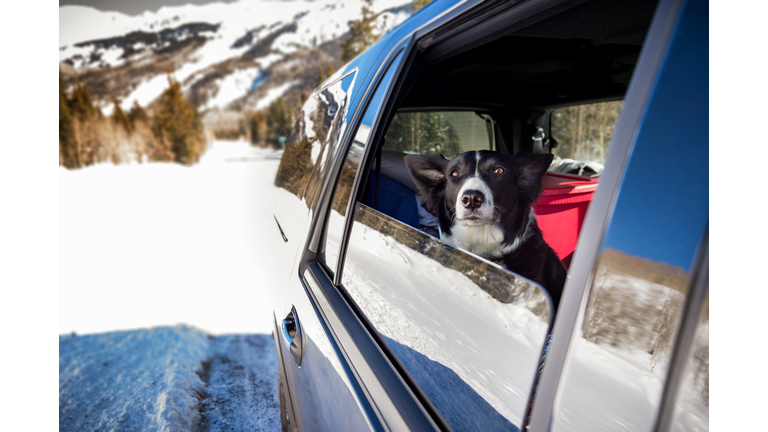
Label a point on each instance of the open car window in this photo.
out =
(583, 134)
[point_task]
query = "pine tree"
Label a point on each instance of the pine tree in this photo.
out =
(279, 122)
(361, 35)
(137, 113)
(178, 123)
(68, 156)
(119, 117)
(258, 122)
(80, 103)
(323, 73)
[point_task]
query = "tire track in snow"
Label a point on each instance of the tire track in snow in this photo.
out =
(240, 377)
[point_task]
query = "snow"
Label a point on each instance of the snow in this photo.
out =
(131, 380)
(232, 87)
(322, 18)
(145, 93)
(316, 22)
(268, 60)
(167, 379)
(161, 244)
(273, 94)
(242, 393)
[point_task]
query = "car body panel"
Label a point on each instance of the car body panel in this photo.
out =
(355, 371)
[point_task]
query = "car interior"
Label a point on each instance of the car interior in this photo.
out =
(553, 83)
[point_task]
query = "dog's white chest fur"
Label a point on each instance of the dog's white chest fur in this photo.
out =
(484, 240)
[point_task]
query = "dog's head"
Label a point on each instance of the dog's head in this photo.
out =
(479, 188)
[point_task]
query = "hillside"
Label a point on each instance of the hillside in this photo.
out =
(238, 56)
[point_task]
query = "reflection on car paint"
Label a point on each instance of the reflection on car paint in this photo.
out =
(692, 405)
(471, 335)
(314, 141)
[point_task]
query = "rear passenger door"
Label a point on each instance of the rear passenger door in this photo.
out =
(310, 359)
(464, 334)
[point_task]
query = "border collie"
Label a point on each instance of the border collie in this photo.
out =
(482, 200)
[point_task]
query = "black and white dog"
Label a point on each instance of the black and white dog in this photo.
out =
(482, 200)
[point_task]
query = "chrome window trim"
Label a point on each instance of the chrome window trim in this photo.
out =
(601, 208)
(346, 74)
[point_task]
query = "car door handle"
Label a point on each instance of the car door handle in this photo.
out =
(293, 335)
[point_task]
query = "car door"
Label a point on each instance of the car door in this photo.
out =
(310, 361)
(448, 340)
(322, 382)
(630, 343)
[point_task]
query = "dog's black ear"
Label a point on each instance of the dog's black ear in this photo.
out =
(427, 171)
(530, 169)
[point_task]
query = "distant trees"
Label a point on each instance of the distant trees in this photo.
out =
(178, 123)
(361, 35)
(68, 152)
(258, 124)
(279, 122)
(583, 132)
(137, 114)
(323, 73)
(422, 132)
(174, 133)
(119, 116)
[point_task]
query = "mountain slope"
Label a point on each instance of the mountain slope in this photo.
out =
(227, 56)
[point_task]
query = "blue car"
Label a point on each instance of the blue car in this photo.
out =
(381, 325)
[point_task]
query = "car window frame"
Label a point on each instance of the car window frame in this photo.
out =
(576, 289)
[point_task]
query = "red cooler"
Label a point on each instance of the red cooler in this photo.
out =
(561, 209)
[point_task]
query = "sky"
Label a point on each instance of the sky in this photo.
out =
(135, 7)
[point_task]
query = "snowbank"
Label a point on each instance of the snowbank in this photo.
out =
(162, 244)
(133, 380)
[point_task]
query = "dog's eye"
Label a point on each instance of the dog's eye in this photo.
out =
(455, 173)
(499, 170)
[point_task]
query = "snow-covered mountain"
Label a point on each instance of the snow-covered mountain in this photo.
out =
(238, 56)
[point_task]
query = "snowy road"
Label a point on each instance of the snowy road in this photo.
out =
(167, 379)
(163, 315)
(162, 244)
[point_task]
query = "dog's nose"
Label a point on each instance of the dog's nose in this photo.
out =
(472, 199)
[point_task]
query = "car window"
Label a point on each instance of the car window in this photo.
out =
(583, 134)
(447, 132)
(469, 333)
